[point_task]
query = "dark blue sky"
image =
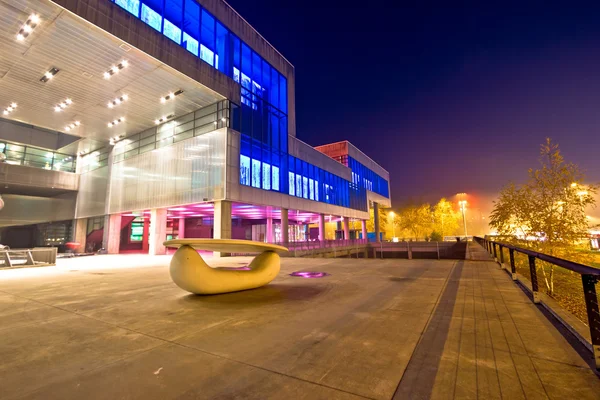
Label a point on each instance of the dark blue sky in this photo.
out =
(447, 99)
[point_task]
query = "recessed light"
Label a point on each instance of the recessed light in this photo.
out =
(72, 125)
(115, 69)
(116, 122)
(63, 104)
(49, 74)
(10, 108)
(163, 119)
(28, 27)
(170, 96)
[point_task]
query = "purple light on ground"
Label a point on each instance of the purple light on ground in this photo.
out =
(309, 274)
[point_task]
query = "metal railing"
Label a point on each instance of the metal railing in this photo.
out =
(323, 244)
(589, 277)
(28, 257)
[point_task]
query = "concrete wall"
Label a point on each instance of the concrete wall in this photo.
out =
(27, 210)
(30, 178)
(29, 135)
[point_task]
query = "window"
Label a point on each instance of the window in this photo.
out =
(207, 55)
(316, 190)
(133, 6)
(222, 48)
(311, 189)
(190, 43)
(256, 173)
(266, 172)
(207, 31)
(292, 186)
(275, 181)
(191, 26)
(245, 170)
(298, 185)
(172, 32)
(151, 17)
(305, 187)
(236, 74)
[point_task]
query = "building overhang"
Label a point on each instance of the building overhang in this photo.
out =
(82, 53)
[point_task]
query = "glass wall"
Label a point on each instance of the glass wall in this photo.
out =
(205, 120)
(38, 158)
(367, 179)
(189, 25)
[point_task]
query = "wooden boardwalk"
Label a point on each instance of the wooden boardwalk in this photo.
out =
(376, 329)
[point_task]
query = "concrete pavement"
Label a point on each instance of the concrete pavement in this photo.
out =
(378, 329)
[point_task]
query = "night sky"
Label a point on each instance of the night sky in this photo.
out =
(447, 99)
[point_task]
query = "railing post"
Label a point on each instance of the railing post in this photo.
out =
(534, 282)
(501, 256)
(495, 253)
(591, 303)
(513, 268)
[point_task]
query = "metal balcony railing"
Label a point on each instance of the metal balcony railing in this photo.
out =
(589, 277)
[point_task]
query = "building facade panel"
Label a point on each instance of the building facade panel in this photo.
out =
(190, 171)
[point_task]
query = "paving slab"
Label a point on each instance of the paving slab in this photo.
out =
(117, 327)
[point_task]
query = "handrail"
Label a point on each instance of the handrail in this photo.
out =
(589, 277)
(561, 262)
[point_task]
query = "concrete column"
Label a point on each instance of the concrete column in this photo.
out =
(364, 228)
(80, 234)
(113, 234)
(222, 223)
(158, 231)
(346, 222)
(181, 229)
(269, 236)
(322, 227)
(146, 234)
(376, 221)
(285, 227)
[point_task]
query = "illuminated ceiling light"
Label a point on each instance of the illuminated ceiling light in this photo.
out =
(72, 126)
(115, 69)
(163, 119)
(223, 119)
(10, 108)
(28, 27)
(49, 74)
(62, 105)
(170, 96)
(116, 122)
(118, 101)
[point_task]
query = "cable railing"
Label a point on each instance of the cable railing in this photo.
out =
(589, 278)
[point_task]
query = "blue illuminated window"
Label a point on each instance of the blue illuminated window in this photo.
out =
(151, 17)
(245, 170)
(172, 32)
(190, 43)
(275, 181)
(207, 55)
(207, 30)
(311, 189)
(291, 184)
(316, 190)
(236, 74)
(305, 187)
(256, 173)
(298, 185)
(266, 172)
(133, 6)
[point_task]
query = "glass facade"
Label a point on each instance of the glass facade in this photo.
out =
(363, 177)
(38, 158)
(189, 25)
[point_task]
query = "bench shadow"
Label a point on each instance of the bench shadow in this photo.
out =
(270, 294)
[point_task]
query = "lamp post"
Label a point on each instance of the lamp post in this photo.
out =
(463, 208)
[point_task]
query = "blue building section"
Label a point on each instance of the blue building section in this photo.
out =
(261, 118)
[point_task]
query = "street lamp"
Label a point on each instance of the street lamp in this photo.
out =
(463, 209)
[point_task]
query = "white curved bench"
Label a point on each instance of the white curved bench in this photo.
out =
(190, 272)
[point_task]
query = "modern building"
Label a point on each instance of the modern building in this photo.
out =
(127, 122)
